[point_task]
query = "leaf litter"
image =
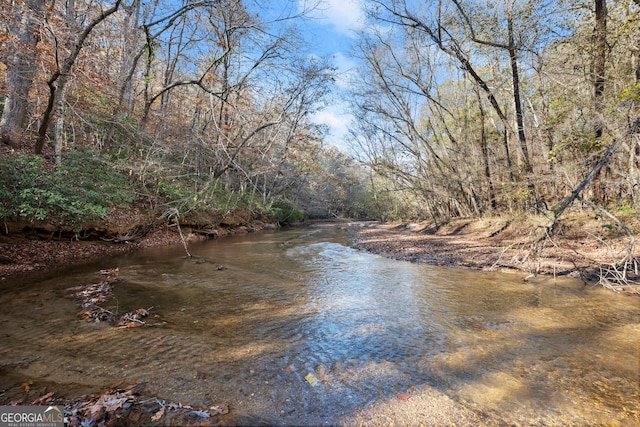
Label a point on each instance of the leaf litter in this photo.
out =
(127, 406)
(94, 295)
(121, 405)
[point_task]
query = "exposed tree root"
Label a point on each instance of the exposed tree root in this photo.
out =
(621, 275)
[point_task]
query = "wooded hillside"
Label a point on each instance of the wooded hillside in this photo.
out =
(479, 106)
(185, 107)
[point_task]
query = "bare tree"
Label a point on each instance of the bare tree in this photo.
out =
(132, 51)
(397, 13)
(24, 31)
(513, 48)
(58, 80)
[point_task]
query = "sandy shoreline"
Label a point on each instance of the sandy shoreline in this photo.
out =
(580, 250)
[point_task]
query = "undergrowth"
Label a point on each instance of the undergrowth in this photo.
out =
(83, 187)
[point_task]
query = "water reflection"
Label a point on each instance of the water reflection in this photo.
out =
(251, 316)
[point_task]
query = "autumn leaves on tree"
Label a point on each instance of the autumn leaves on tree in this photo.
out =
(205, 104)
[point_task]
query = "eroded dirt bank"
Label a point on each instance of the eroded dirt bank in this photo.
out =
(33, 250)
(581, 246)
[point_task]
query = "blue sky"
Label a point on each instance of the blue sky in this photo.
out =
(333, 27)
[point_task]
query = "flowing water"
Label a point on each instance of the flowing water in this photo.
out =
(373, 331)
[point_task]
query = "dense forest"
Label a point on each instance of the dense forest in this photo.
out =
(190, 110)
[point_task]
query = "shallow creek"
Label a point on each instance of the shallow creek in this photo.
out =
(376, 334)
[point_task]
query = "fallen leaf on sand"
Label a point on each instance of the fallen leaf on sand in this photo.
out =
(311, 379)
(44, 398)
(107, 403)
(221, 408)
(156, 417)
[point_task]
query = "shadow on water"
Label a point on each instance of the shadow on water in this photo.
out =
(253, 320)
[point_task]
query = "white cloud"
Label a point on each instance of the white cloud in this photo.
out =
(334, 119)
(345, 69)
(344, 16)
(338, 122)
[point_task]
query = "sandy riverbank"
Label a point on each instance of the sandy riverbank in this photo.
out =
(582, 246)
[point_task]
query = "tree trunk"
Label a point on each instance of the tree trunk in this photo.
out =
(600, 60)
(599, 66)
(513, 56)
(485, 153)
(58, 79)
(128, 66)
(20, 70)
(59, 130)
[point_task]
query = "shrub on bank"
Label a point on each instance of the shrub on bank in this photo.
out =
(81, 188)
(285, 212)
(86, 185)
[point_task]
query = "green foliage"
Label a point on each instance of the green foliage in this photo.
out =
(83, 187)
(285, 211)
(17, 171)
(625, 210)
(188, 192)
(630, 93)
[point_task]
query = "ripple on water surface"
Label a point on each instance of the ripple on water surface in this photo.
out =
(289, 304)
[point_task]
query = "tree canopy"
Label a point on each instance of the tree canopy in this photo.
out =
(460, 107)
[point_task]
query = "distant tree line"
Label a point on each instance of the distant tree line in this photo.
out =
(461, 107)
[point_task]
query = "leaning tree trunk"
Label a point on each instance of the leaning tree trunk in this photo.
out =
(558, 211)
(58, 79)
